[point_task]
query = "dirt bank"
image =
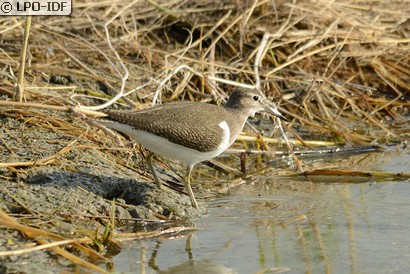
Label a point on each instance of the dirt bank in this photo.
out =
(64, 176)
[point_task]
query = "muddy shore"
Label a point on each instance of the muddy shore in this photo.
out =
(74, 191)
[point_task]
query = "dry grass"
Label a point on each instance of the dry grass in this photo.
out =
(334, 66)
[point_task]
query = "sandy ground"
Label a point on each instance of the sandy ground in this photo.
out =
(73, 192)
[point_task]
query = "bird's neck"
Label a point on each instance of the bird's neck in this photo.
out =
(236, 121)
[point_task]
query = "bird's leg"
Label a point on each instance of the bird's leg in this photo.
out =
(151, 167)
(188, 186)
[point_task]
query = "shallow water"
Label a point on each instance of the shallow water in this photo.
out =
(294, 226)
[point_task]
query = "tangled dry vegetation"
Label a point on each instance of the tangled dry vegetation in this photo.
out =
(340, 70)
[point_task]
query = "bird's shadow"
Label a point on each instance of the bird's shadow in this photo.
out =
(94, 193)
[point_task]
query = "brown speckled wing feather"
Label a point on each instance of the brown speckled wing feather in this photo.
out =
(170, 121)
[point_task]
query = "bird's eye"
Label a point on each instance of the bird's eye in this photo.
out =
(256, 98)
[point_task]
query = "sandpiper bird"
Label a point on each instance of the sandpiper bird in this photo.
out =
(189, 132)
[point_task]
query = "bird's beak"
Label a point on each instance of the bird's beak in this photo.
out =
(273, 109)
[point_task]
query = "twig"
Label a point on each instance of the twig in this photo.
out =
(20, 82)
(31, 232)
(42, 161)
(293, 142)
(44, 246)
(52, 107)
(374, 174)
(153, 234)
(124, 77)
(75, 259)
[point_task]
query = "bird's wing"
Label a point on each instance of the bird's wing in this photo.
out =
(188, 123)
